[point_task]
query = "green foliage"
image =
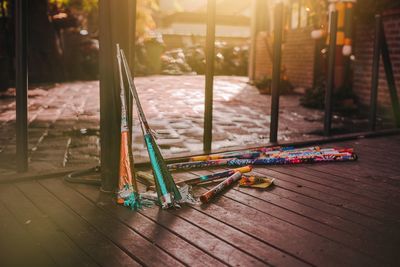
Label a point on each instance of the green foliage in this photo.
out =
(88, 5)
(145, 23)
(318, 14)
(264, 86)
(85, 5)
(5, 8)
(344, 99)
(59, 3)
(314, 97)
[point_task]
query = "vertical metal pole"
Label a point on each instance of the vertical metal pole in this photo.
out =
(276, 72)
(21, 80)
(331, 73)
(131, 57)
(210, 50)
(114, 28)
(253, 45)
(387, 64)
(375, 72)
(109, 130)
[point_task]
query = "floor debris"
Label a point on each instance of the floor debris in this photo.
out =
(255, 181)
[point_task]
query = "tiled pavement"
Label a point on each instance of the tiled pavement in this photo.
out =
(64, 120)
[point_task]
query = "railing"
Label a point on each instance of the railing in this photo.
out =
(108, 122)
(381, 48)
(21, 80)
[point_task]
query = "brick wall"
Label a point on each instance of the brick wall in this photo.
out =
(363, 64)
(263, 57)
(297, 56)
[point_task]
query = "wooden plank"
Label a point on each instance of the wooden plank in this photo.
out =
(387, 145)
(17, 247)
(91, 241)
(259, 248)
(354, 175)
(365, 241)
(256, 248)
(368, 244)
(380, 168)
(376, 142)
(379, 151)
(52, 239)
(385, 168)
(125, 238)
(312, 215)
(157, 234)
(309, 212)
(232, 255)
(342, 187)
(349, 173)
(311, 247)
(363, 206)
(326, 170)
(377, 159)
(373, 145)
(364, 171)
(322, 215)
(333, 211)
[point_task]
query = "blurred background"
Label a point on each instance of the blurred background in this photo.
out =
(169, 64)
(170, 39)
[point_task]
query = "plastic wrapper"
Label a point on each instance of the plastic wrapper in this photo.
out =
(255, 181)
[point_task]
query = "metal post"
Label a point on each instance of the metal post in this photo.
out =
(387, 64)
(253, 43)
(21, 80)
(131, 57)
(114, 28)
(375, 72)
(331, 73)
(210, 50)
(276, 72)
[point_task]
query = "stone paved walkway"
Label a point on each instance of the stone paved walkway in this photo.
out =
(64, 120)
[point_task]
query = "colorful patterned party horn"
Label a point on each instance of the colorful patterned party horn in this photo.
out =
(207, 196)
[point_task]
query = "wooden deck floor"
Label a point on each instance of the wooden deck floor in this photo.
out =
(337, 214)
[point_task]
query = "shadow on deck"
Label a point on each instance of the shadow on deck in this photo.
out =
(336, 214)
